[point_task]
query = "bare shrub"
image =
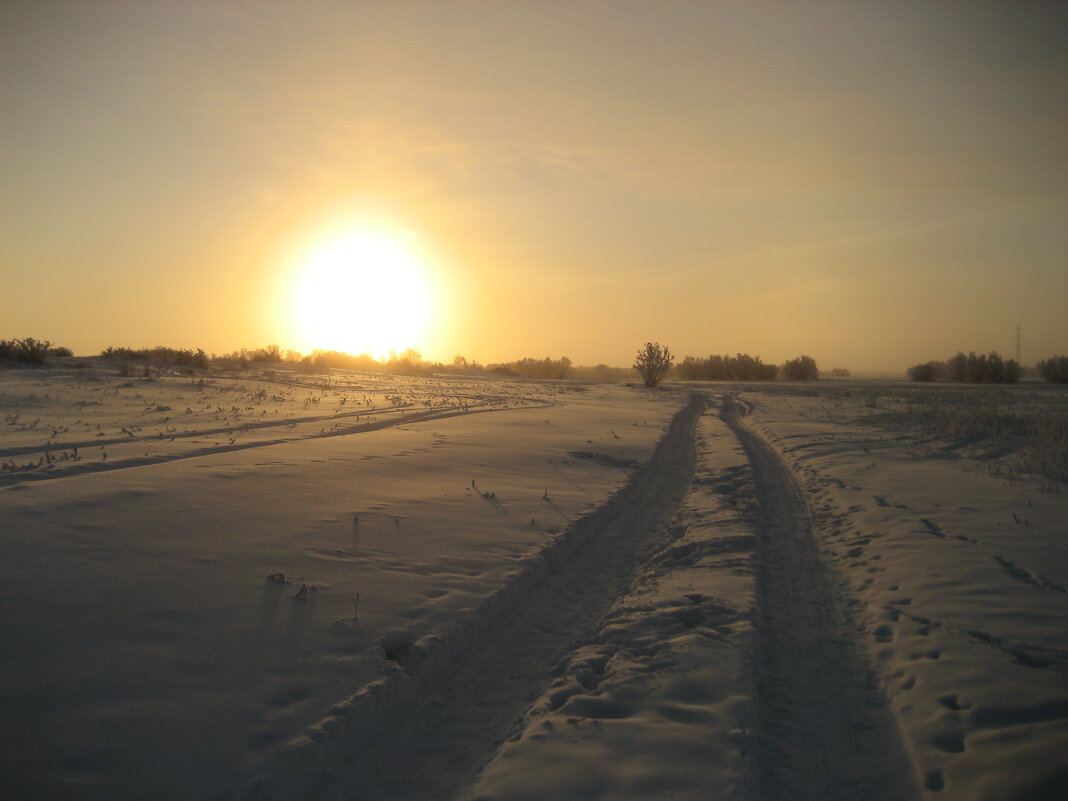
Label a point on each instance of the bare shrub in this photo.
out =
(29, 350)
(653, 363)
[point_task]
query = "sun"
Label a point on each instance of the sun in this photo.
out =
(362, 291)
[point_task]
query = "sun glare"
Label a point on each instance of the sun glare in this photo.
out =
(362, 292)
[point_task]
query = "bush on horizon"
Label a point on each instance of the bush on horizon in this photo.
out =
(462, 364)
(740, 367)
(1054, 369)
(408, 362)
(974, 368)
(601, 372)
(803, 368)
(326, 359)
(928, 371)
(534, 368)
(30, 350)
(271, 354)
(653, 362)
(181, 357)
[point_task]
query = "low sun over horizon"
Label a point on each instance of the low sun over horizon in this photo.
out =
(533, 400)
(875, 185)
(361, 289)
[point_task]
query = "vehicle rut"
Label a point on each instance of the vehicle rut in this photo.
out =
(427, 729)
(83, 468)
(824, 732)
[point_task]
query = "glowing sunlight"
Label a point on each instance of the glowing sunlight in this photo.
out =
(361, 291)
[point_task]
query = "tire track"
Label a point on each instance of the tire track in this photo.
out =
(424, 732)
(16, 477)
(824, 732)
(487, 405)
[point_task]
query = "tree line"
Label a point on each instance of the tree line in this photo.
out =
(974, 368)
(534, 368)
(987, 368)
(654, 361)
(717, 367)
(1054, 369)
(743, 367)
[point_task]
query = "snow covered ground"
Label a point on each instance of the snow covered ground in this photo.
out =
(565, 591)
(955, 572)
(146, 653)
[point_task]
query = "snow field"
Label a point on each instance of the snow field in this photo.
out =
(957, 581)
(147, 652)
(655, 701)
(565, 591)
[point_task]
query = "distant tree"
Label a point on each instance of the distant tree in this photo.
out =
(411, 360)
(463, 363)
(839, 372)
(1054, 369)
(928, 371)
(653, 363)
(690, 369)
(980, 368)
(325, 359)
(534, 368)
(974, 368)
(1013, 372)
(800, 369)
(602, 372)
(182, 357)
(270, 354)
(740, 367)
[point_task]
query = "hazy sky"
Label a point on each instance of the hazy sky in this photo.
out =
(871, 183)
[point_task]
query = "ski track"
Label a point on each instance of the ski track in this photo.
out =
(824, 732)
(426, 730)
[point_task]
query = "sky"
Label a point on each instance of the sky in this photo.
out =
(873, 184)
